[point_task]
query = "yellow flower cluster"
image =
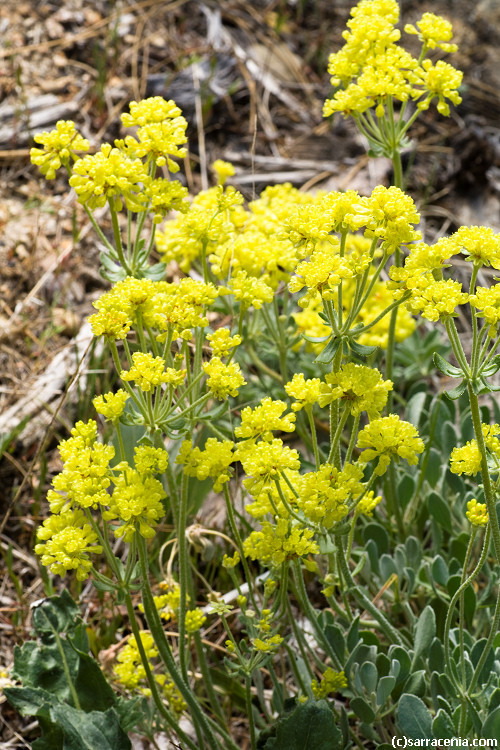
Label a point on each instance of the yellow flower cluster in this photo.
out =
(111, 405)
(264, 461)
(437, 300)
(149, 372)
(359, 387)
(59, 147)
(323, 495)
(65, 541)
(305, 392)
(486, 302)
(176, 308)
(265, 419)
(434, 32)
(131, 673)
(110, 175)
(372, 69)
(161, 129)
(222, 343)
(331, 682)
(368, 503)
(467, 459)
(477, 513)
(223, 379)
(275, 544)
(214, 461)
(389, 438)
(68, 536)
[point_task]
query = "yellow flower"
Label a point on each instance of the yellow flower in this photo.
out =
(275, 544)
(195, 619)
(214, 461)
(331, 682)
(305, 392)
(223, 380)
(436, 300)
(368, 503)
(111, 405)
(486, 302)
(59, 147)
(223, 170)
(222, 343)
(389, 438)
(136, 500)
(264, 419)
(249, 291)
(264, 461)
(480, 245)
(361, 388)
(65, 542)
(477, 513)
(323, 494)
(442, 81)
(267, 645)
(109, 175)
(434, 32)
(161, 129)
(148, 372)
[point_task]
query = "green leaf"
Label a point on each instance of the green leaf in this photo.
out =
(440, 572)
(360, 349)
(445, 367)
(491, 727)
(369, 677)
(309, 726)
(336, 640)
(363, 710)
(30, 701)
(442, 726)
(56, 614)
(90, 731)
(327, 355)
(414, 718)
(438, 509)
(415, 407)
(94, 691)
(384, 689)
(424, 632)
(454, 393)
(379, 535)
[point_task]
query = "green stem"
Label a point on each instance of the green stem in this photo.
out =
(489, 494)
(248, 702)
(307, 608)
(454, 599)
(239, 543)
(150, 677)
(200, 722)
(183, 575)
(385, 626)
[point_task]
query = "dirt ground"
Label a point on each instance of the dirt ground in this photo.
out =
(251, 79)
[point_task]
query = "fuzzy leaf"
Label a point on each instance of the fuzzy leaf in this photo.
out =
(414, 718)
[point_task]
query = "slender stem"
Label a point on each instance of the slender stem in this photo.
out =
(307, 608)
(389, 631)
(155, 625)
(314, 437)
(489, 494)
(150, 677)
(237, 536)
(183, 575)
(248, 702)
(454, 599)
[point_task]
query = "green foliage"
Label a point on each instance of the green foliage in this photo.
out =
(307, 726)
(65, 688)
